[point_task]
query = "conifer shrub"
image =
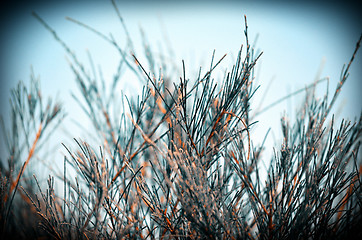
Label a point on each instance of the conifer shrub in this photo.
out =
(179, 161)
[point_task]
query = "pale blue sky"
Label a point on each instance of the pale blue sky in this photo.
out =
(295, 38)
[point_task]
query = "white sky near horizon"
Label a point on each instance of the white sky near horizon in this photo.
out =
(295, 40)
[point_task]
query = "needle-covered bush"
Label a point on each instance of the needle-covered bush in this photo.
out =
(179, 161)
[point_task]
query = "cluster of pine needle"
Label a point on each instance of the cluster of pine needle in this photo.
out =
(179, 161)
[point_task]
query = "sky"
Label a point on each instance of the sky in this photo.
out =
(300, 40)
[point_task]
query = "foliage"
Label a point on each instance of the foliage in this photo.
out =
(179, 161)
